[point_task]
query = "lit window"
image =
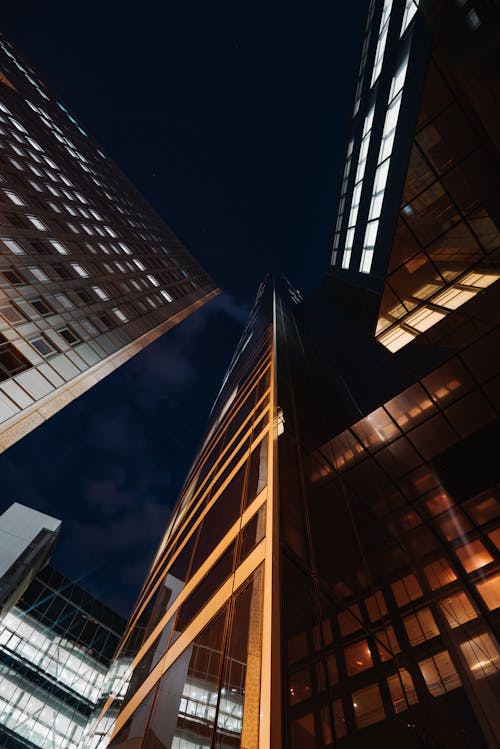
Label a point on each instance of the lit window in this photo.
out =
(387, 643)
(37, 223)
(482, 656)
(457, 609)
(154, 281)
(439, 573)
(166, 295)
(100, 292)
(13, 246)
(489, 590)
(473, 556)
(407, 589)
(34, 144)
(80, 270)
(38, 273)
(57, 245)
(420, 626)
(440, 674)
(120, 315)
(14, 197)
(368, 707)
(382, 39)
(70, 210)
(358, 657)
(402, 690)
(54, 191)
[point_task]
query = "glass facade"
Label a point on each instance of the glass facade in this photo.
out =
(201, 649)
(330, 576)
(89, 274)
(56, 645)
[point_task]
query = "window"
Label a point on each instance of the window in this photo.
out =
(100, 293)
(407, 589)
(368, 707)
(39, 274)
(457, 609)
(358, 657)
(37, 223)
(482, 656)
(439, 673)
(14, 197)
(41, 306)
(402, 690)
(473, 556)
(489, 590)
(439, 573)
(473, 20)
(69, 336)
(42, 346)
(64, 301)
(13, 277)
(387, 643)
(420, 626)
(80, 270)
(11, 313)
(166, 295)
(57, 245)
(13, 246)
(120, 315)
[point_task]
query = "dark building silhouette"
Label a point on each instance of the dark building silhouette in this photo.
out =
(89, 273)
(330, 574)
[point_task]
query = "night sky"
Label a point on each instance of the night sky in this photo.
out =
(231, 119)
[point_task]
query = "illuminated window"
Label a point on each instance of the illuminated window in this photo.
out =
(14, 197)
(358, 657)
(382, 39)
(57, 245)
(407, 589)
(120, 315)
(387, 643)
(100, 292)
(13, 246)
(80, 270)
(495, 537)
(368, 707)
(439, 673)
(473, 556)
(489, 590)
(38, 273)
(482, 656)
(166, 295)
(420, 626)
(457, 609)
(439, 573)
(402, 690)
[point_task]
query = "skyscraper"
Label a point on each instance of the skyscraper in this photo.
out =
(89, 274)
(330, 575)
(27, 538)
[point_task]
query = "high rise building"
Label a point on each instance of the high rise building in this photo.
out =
(89, 274)
(330, 576)
(56, 646)
(27, 538)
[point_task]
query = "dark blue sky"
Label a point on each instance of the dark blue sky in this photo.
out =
(231, 119)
